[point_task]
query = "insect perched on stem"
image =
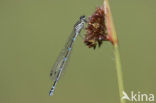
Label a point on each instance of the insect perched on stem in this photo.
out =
(62, 59)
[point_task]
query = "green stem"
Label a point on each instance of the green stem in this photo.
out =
(113, 38)
(119, 72)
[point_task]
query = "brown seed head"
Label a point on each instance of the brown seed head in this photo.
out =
(96, 29)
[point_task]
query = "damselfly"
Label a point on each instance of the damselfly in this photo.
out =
(65, 53)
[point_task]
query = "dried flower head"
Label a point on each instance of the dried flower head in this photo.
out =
(96, 29)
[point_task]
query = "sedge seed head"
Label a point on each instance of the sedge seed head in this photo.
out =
(96, 29)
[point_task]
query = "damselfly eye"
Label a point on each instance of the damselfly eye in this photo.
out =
(82, 17)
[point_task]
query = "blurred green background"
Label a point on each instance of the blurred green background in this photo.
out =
(32, 33)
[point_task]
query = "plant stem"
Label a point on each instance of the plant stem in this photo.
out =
(113, 38)
(119, 72)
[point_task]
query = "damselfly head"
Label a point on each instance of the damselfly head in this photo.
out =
(83, 18)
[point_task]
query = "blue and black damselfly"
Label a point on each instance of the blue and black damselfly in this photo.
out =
(62, 59)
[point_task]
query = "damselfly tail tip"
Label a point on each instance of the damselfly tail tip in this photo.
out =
(51, 92)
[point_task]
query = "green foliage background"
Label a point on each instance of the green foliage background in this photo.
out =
(32, 33)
